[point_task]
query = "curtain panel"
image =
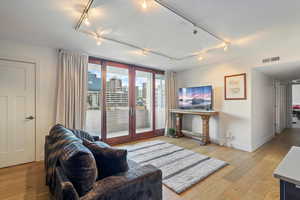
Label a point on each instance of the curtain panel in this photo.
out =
(171, 98)
(72, 89)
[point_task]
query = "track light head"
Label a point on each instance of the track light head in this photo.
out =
(200, 58)
(98, 40)
(225, 46)
(145, 52)
(144, 4)
(87, 21)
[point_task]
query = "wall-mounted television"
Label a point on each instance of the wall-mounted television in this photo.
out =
(196, 97)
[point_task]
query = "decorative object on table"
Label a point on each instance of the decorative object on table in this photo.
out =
(181, 168)
(235, 87)
(172, 132)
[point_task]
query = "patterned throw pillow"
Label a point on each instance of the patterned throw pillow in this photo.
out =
(79, 165)
(109, 161)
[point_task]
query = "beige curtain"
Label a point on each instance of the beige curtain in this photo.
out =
(171, 98)
(72, 89)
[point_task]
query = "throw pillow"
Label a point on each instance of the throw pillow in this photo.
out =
(79, 165)
(109, 161)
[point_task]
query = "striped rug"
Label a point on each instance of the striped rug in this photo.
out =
(181, 168)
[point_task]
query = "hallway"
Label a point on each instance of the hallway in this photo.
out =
(248, 176)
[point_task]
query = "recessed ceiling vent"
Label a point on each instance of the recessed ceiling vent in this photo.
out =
(272, 59)
(296, 81)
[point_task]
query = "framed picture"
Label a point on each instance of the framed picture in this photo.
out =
(235, 87)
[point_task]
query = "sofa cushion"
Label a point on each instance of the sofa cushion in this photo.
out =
(109, 161)
(79, 166)
(102, 144)
(83, 135)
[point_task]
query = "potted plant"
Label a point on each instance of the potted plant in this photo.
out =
(171, 132)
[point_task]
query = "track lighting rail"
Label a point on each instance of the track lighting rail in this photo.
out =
(181, 15)
(84, 16)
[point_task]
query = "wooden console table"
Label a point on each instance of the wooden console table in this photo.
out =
(205, 115)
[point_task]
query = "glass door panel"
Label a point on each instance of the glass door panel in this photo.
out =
(143, 101)
(117, 101)
(159, 101)
(93, 113)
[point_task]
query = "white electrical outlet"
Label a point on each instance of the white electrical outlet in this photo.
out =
(228, 134)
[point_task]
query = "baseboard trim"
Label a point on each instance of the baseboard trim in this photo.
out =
(263, 141)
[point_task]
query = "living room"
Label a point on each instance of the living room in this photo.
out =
(149, 99)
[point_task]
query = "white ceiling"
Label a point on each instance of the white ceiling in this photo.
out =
(253, 27)
(285, 71)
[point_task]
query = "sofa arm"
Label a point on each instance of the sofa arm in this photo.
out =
(46, 146)
(64, 189)
(142, 183)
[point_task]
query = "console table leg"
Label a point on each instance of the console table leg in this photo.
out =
(178, 125)
(205, 128)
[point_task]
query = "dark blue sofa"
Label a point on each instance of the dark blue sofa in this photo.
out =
(138, 183)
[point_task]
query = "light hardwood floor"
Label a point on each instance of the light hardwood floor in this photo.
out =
(249, 175)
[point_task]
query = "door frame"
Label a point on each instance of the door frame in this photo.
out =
(119, 139)
(132, 136)
(146, 134)
(38, 149)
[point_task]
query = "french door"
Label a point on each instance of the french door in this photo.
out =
(122, 101)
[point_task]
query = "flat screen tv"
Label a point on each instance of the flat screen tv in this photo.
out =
(196, 97)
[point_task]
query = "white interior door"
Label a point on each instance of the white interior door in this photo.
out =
(17, 112)
(281, 107)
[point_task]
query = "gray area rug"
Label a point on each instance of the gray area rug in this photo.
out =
(181, 168)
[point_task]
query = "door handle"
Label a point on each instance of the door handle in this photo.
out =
(30, 118)
(131, 111)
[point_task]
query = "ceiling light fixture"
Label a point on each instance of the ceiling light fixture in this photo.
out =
(144, 4)
(200, 58)
(145, 52)
(99, 42)
(225, 46)
(87, 21)
(99, 36)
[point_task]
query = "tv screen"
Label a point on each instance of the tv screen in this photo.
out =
(196, 98)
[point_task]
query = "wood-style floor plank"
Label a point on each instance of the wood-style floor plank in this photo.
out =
(249, 175)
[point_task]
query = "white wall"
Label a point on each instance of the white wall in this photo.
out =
(262, 109)
(46, 59)
(235, 115)
(296, 94)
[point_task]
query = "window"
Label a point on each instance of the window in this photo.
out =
(143, 101)
(117, 101)
(94, 96)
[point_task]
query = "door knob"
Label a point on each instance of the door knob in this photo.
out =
(30, 118)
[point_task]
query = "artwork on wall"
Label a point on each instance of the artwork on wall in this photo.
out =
(235, 87)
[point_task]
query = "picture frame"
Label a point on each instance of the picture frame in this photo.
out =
(235, 87)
